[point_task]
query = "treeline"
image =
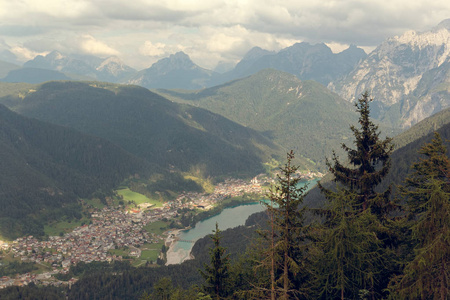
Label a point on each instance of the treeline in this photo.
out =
(14, 268)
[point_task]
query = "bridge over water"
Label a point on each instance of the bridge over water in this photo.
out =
(186, 241)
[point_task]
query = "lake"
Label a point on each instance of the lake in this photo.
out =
(229, 218)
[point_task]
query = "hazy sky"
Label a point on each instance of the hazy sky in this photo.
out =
(142, 31)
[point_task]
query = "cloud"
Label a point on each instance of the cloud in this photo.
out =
(207, 30)
(24, 54)
(150, 49)
(89, 45)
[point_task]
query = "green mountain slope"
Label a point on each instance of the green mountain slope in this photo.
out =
(45, 168)
(170, 135)
(299, 115)
(422, 128)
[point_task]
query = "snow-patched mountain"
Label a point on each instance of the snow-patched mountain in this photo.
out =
(407, 75)
(175, 71)
(110, 69)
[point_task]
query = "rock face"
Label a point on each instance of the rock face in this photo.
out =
(111, 69)
(175, 71)
(407, 75)
(308, 62)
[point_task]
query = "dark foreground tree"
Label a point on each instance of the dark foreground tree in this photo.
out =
(352, 243)
(427, 192)
(347, 252)
(216, 274)
(369, 163)
(284, 254)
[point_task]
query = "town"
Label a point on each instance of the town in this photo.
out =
(115, 228)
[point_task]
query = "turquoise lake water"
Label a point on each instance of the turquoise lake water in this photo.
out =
(229, 218)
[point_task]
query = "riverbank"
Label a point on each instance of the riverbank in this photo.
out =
(175, 256)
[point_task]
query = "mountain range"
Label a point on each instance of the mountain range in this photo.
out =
(75, 67)
(408, 75)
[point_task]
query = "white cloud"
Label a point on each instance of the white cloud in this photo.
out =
(24, 54)
(89, 45)
(150, 49)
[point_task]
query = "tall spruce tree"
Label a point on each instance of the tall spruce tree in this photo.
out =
(369, 163)
(354, 220)
(427, 193)
(216, 274)
(285, 255)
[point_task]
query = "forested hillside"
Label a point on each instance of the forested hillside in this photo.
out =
(299, 115)
(45, 168)
(166, 134)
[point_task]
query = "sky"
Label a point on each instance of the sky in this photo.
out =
(140, 32)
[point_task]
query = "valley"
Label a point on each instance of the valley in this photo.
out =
(106, 170)
(134, 232)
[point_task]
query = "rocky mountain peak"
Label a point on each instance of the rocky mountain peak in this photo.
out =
(112, 61)
(177, 61)
(113, 66)
(399, 71)
(55, 55)
(256, 53)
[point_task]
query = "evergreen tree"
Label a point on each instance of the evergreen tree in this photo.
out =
(427, 192)
(284, 256)
(356, 216)
(347, 250)
(216, 274)
(369, 162)
(163, 289)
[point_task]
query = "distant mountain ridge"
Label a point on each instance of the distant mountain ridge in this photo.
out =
(408, 75)
(175, 71)
(111, 69)
(308, 62)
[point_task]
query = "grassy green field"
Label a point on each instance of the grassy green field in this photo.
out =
(157, 227)
(118, 252)
(129, 195)
(150, 252)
